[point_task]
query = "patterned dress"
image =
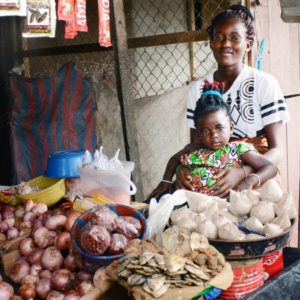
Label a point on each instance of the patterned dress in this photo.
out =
(205, 163)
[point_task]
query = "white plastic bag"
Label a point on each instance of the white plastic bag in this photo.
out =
(160, 212)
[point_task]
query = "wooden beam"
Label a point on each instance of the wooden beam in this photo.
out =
(148, 41)
(120, 47)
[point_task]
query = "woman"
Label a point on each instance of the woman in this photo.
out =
(258, 108)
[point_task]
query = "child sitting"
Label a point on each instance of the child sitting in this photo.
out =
(214, 127)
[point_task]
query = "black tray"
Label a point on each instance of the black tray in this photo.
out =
(236, 250)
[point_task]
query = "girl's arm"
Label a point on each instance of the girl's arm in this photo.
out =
(263, 168)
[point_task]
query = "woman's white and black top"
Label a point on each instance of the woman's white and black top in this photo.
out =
(255, 98)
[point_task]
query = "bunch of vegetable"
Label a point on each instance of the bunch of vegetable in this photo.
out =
(20, 220)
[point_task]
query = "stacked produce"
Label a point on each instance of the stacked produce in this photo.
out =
(107, 233)
(248, 215)
(20, 220)
(48, 268)
(155, 269)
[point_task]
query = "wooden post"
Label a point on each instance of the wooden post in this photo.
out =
(120, 47)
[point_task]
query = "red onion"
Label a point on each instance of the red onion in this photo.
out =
(6, 291)
(8, 214)
(37, 223)
(36, 256)
(18, 271)
(41, 237)
(26, 246)
(2, 237)
(45, 274)
(69, 263)
(63, 241)
(27, 291)
(10, 221)
(29, 216)
(20, 213)
(12, 233)
(61, 280)
(72, 295)
(25, 225)
(55, 295)
(39, 209)
(35, 269)
(24, 232)
(52, 259)
(54, 222)
(73, 215)
(30, 279)
(84, 276)
(3, 226)
(84, 287)
(29, 205)
(43, 287)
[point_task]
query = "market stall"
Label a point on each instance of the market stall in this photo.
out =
(76, 233)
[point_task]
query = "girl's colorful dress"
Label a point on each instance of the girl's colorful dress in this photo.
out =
(205, 163)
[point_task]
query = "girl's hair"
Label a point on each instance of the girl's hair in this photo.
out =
(211, 100)
(234, 11)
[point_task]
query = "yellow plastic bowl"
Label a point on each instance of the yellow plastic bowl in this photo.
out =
(51, 190)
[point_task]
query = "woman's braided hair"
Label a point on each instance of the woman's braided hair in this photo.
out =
(234, 11)
(211, 102)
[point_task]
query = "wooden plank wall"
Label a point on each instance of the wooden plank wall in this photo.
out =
(282, 59)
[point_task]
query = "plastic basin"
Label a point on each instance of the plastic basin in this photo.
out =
(93, 262)
(64, 164)
(52, 190)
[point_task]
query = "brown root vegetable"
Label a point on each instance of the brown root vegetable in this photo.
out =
(54, 222)
(84, 287)
(63, 241)
(105, 217)
(95, 239)
(55, 295)
(43, 287)
(62, 280)
(19, 270)
(30, 279)
(52, 259)
(36, 256)
(27, 291)
(70, 263)
(6, 291)
(41, 237)
(26, 246)
(72, 216)
(117, 244)
(35, 269)
(45, 274)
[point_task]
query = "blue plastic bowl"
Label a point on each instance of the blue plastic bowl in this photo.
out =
(92, 262)
(64, 164)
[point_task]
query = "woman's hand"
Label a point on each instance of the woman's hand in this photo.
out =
(244, 185)
(182, 179)
(228, 179)
(162, 188)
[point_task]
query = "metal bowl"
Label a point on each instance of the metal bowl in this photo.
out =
(236, 250)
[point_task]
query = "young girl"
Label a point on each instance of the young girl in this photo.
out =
(214, 127)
